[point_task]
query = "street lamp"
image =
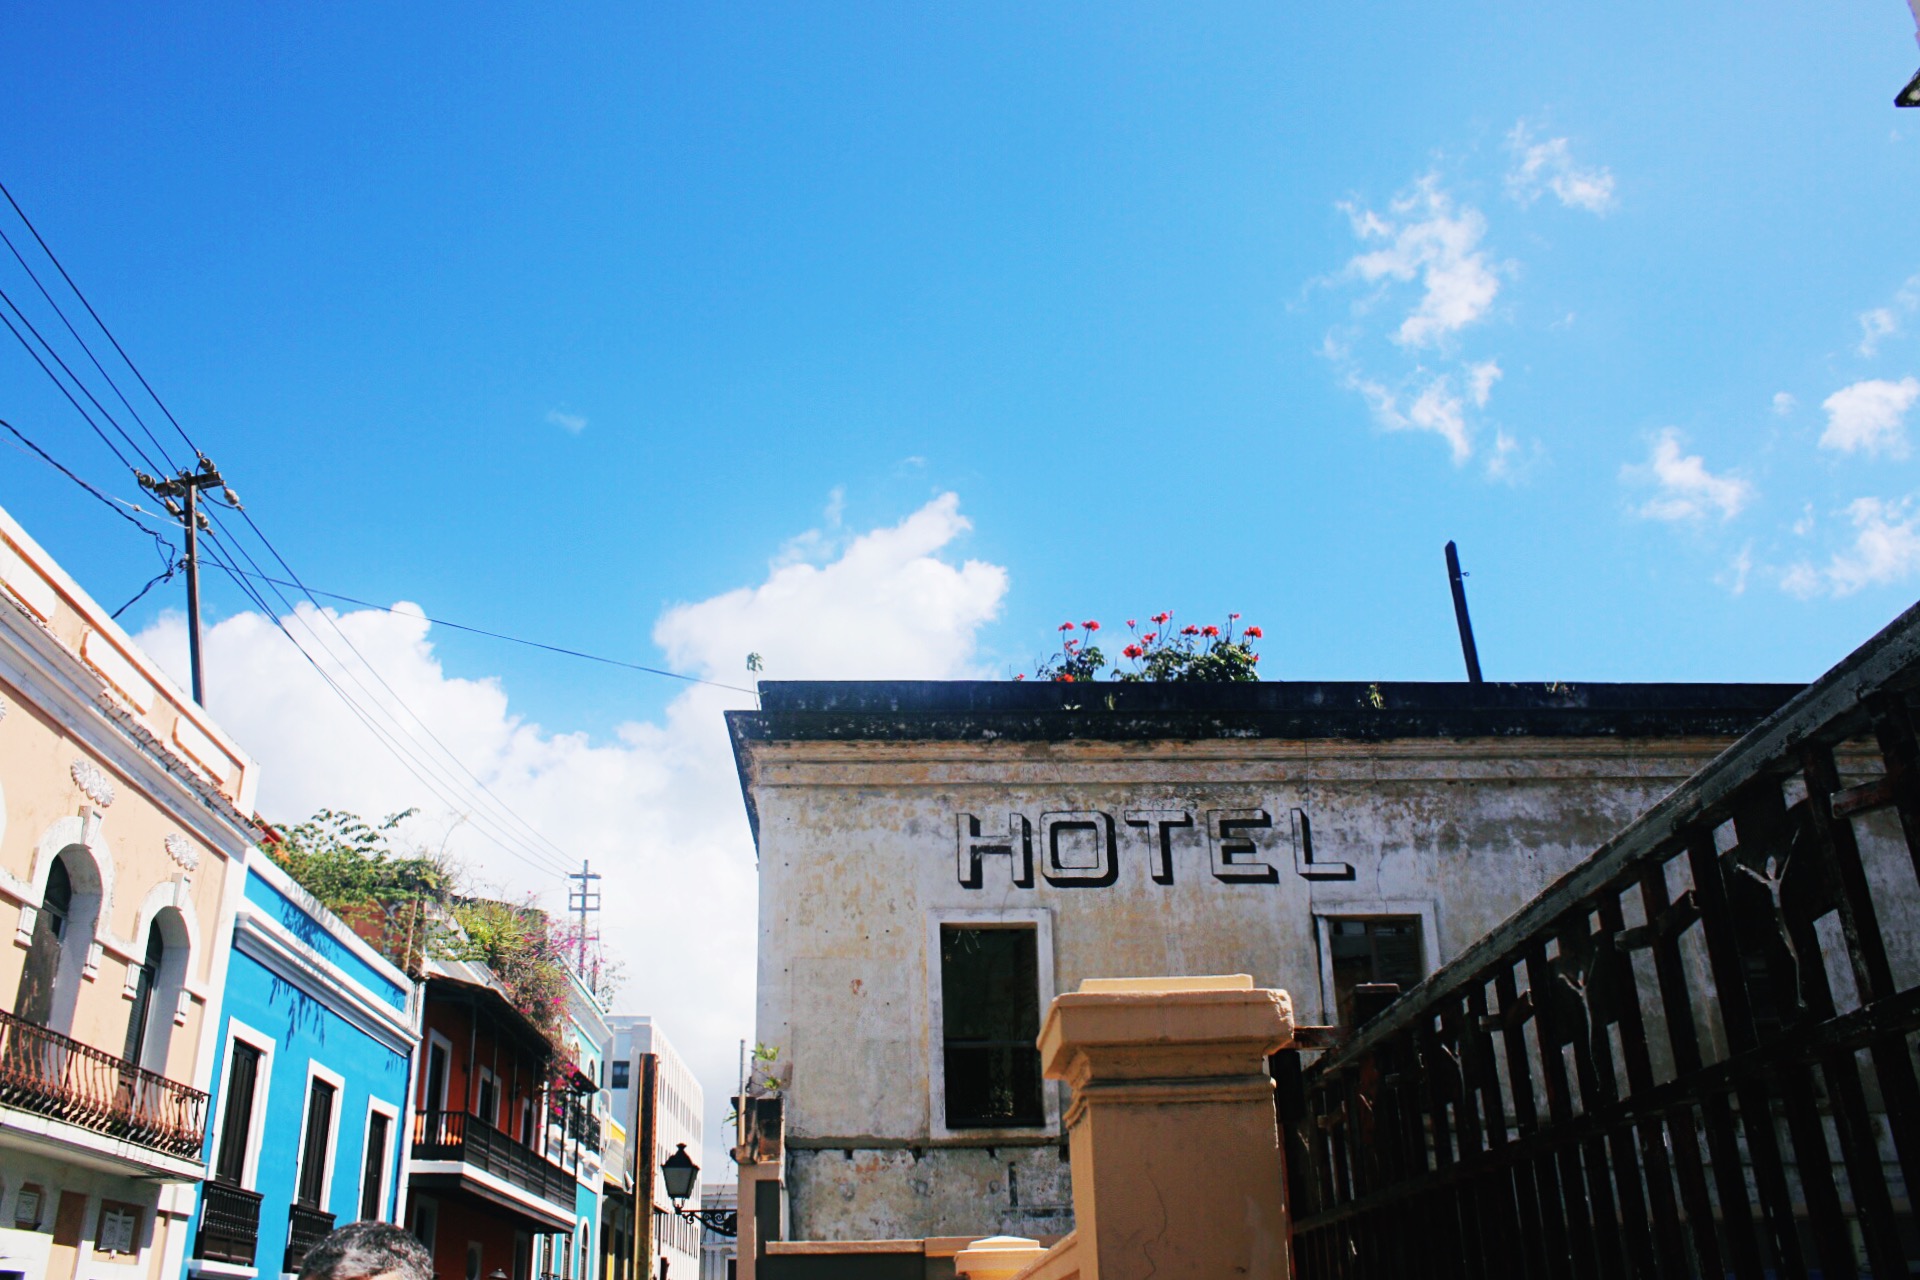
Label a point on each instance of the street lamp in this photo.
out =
(679, 1172)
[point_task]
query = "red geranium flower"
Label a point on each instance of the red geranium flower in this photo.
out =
(1129, 624)
(1066, 626)
(1161, 617)
(1019, 678)
(1091, 626)
(1150, 637)
(1255, 632)
(1189, 630)
(1066, 677)
(1132, 651)
(1233, 617)
(1209, 631)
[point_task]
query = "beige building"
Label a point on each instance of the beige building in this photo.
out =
(939, 860)
(122, 838)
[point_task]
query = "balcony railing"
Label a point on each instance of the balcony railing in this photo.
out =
(229, 1225)
(305, 1229)
(45, 1072)
(455, 1135)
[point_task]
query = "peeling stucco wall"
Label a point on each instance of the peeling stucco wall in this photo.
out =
(859, 864)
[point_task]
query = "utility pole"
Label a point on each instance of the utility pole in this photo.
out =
(1458, 581)
(182, 498)
(584, 900)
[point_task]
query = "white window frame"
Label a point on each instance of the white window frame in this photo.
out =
(378, 1107)
(446, 1071)
(256, 1131)
(482, 1077)
(1040, 920)
(1324, 914)
(318, 1071)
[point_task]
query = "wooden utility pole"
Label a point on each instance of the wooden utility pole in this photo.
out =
(182, 498)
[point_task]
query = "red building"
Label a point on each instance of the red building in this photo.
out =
(483, 1186)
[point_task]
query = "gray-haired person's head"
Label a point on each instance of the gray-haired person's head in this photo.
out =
(368, 1251)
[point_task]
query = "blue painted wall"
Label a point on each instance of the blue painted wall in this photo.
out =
(305, 1029)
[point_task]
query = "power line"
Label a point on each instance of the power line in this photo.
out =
(531, 644)
(84, 389)
(438, 787)
(167, 550)
(55, 260)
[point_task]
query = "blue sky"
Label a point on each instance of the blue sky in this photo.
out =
(551, 320)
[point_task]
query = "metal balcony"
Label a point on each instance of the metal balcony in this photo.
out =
(469, 1140)
(50, 1074)
(305, 1228)
(229, 1225)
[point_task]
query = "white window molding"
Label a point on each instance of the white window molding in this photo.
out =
(256, 1128)
(1324, 913)
(1038, 919)
(388, 1167)
(316, 1071)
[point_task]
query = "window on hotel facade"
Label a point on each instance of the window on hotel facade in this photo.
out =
(990, 1011)
(143, 981)
(311, 1190)
(1373, 950)
(620, 1075)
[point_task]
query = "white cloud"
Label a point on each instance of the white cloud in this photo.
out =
(1430, 239)
(1784, 403)
(1480, 380)
(1540, 167)
(1734, 577)
(1683, 487)
(1880, 323)
(657, 806)
(1870, 417)
(1885, 549)
(571, 423)
(1436, 408)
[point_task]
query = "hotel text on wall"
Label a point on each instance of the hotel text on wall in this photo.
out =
(1082, 848)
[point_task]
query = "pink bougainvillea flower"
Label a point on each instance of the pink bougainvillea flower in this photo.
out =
(1255, 632)
(1091, 626)
(1209, 631)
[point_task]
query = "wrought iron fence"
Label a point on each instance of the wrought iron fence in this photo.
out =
(45, 1072)
(229, 1224)
(1693, 1055)
(455, 1135)
(306, 1227)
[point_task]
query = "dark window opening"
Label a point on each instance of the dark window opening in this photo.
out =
(620, 1075)
(990, 1002)
(236, 1129)
(33, 1000)
(436, 1078)
(374, 1175)
(488, 1108)
(1378, 950)
(312, 1187)
(144, 977)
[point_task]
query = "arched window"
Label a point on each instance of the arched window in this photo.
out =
(34, 999)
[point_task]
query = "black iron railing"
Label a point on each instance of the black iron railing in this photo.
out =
(305, 1228)
(1691, 1056)
(455, 1135)
(45, 1072)
(229, 1224)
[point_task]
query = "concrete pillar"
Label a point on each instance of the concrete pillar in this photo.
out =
(997, 1258)
(1176, 1154)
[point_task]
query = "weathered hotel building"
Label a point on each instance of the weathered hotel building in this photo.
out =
(938, 860)
(123, 837)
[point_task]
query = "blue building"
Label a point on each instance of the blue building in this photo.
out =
(310, 1084)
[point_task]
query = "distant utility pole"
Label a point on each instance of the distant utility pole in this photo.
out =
(182, 498)
(585, 900)
(1458, 581)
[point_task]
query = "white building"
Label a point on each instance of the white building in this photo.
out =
(717, 1256)
(658, 1100)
